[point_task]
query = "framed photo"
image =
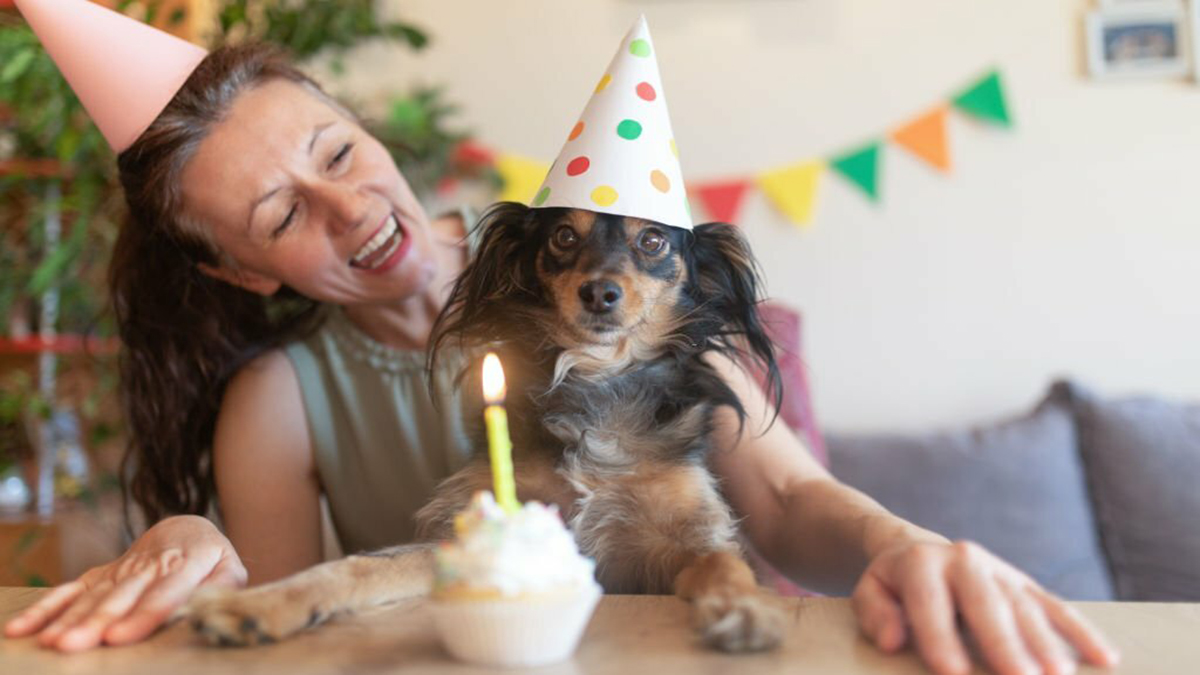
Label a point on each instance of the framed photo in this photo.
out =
(1139, 39)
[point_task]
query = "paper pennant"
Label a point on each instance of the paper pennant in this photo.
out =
(861, 167)
(723, 200)
(793, 189)
(926, 138)
(985, 100)
(521, 177)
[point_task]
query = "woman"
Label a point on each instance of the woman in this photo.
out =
(255, 201)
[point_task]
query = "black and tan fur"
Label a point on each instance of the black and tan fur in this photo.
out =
(604, 325)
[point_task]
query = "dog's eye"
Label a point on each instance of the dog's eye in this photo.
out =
(652, 242)
(565, 237)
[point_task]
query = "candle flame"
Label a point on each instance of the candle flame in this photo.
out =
(493, 380)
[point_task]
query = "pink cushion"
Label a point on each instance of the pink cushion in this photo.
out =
(783, 325)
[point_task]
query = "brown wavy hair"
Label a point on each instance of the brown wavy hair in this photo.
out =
(184, 334)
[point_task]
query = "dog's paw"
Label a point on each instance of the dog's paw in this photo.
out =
(738, 622)
(255, 616)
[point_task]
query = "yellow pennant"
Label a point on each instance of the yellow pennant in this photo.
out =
(521, 177)
(793, 189)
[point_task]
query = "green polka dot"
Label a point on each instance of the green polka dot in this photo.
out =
(629, 129)
(639, 48)
(604, 195)
(541, 197)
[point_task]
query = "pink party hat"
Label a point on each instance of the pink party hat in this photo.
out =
(124, 71)
(620, 157)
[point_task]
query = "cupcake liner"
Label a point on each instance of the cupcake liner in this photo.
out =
(530, 630)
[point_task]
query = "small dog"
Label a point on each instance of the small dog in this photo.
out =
(604, 324)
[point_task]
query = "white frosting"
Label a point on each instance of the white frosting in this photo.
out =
(527, 551)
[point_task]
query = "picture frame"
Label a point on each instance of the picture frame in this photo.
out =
(1142, 39)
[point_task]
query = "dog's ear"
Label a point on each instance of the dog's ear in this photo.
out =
(501, 269)
(728, 286)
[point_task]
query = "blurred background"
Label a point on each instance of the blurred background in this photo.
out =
(1057, 242)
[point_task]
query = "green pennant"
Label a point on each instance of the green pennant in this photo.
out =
(985, 100)
(861, 167)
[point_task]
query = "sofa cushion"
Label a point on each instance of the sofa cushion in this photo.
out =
(783, 326)
(1142, 459)
(1017, 487)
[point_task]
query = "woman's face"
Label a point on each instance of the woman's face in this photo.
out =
(297, 194)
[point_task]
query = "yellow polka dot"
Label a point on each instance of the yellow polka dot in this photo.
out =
(660, 181)
(603, 83)
(604, 195)
(674, 148)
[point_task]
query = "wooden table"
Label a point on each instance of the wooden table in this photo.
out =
(628, 635)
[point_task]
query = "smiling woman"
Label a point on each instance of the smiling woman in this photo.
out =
(244, 247)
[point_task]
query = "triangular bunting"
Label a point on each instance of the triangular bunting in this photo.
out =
(861, 166)
(723, 200)
(926, 138)
(985, 100)
(521, 177)
(793, 190)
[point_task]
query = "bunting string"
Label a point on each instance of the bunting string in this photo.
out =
(793, 189)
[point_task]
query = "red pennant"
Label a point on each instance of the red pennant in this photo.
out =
(470, 153)
(723, 201)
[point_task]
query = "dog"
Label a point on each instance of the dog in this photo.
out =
(605, 325)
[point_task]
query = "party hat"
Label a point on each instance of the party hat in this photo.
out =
(123, 71)
(620, 157)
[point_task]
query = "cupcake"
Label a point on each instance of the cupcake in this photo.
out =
(512, 589)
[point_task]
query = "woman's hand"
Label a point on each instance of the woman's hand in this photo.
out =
(913, 592)
(128, 599)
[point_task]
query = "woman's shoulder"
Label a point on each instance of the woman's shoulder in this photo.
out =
(267, 384)
(262, 418)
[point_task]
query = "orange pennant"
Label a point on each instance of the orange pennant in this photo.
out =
(926, 138)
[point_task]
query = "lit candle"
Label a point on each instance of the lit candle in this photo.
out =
(499, 443)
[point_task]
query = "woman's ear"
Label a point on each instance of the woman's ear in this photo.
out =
(251, 281)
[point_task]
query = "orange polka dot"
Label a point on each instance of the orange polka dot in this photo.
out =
(576, 131)
(660, 181)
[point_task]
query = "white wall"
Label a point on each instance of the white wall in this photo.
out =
(1069, 246)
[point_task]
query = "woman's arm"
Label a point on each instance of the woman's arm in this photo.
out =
(269, 497)
(909, 583)
(265, 473)
(800, 498)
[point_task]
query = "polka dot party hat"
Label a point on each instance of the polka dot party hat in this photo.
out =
(620, 156)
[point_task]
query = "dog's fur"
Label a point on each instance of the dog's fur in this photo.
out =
(605, 325)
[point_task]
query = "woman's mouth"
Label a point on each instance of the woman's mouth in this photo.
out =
(380, 250)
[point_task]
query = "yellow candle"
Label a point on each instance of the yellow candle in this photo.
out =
(499, 443)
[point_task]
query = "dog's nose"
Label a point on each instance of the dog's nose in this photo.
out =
(600, 297)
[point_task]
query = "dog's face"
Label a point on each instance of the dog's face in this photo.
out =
(608, 277)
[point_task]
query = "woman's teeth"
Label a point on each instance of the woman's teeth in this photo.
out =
(381, 246)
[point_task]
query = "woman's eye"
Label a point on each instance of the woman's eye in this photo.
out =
(652, 242)
(285, 224)
(345, 150)
(565, 237)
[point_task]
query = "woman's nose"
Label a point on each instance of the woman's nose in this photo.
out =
(345, 207)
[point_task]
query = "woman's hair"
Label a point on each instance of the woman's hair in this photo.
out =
(184, 334)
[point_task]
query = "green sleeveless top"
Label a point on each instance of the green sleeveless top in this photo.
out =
(381, 442)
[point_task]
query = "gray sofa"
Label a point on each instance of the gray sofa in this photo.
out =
(1097, 499)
